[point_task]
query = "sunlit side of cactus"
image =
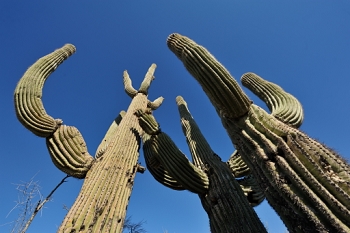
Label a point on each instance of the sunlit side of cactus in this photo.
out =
(109, 177)
(305, 182)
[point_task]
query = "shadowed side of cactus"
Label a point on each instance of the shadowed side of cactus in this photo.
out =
(109, 177)
(305, 182)
(221, 195)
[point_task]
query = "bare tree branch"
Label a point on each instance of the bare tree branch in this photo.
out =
(28, 191)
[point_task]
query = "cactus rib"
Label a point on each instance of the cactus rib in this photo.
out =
(282, 105)
(226, 93)
(68, 151)
(109, 135)
(157, 170)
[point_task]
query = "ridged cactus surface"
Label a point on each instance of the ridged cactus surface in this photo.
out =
(228, 202)
(109, 177)
(304, 181)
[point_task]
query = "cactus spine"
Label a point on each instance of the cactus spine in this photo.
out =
(221, 195)
(305, 182)
(103, 199)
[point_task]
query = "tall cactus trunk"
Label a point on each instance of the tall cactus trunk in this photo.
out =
(109, 177)
(305, 182)
(227, 201)
(103, 200)
(226, 204)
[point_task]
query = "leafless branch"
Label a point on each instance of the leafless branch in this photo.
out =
(27, 193)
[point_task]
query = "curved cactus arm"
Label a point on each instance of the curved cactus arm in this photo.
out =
(156, 168)
(109, 135)
(128, 85)
(149, 77)
(282, 105)
(69, 152)
(173, 160)
(153, 105)
(252, 190)
(28, 104)
(207, 71)
(237, 165)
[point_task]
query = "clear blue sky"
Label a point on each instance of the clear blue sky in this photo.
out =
(304, 46)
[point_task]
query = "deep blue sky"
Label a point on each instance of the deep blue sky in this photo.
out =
(301, 45)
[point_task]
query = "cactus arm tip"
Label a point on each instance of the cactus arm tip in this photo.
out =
(153, 105)
(149, 77)
(222, 89)
(282, 105)
(130, 91)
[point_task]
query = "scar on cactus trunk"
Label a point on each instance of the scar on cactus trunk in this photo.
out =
(227, 201)
(306, 183)
(109, 177)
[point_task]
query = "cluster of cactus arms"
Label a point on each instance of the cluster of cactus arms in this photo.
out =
(109, 176)
(223, 197)
(306, 183)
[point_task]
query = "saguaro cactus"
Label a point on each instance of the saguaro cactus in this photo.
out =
(304, 181)
(223, 198)
(109, 177)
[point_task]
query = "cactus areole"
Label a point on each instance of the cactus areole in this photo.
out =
(109, 176)
(306, 183)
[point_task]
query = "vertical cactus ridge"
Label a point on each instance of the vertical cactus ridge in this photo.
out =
(109, 135)
(221, 88)
(282, 105)
(69, 152)
(103, 200)
(199, 147)
(296, 175)
(28, 93)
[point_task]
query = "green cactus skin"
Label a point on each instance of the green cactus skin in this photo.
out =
(103, 199)
(69, 152)
(304, 181)
(221, 195)
(28, 105)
